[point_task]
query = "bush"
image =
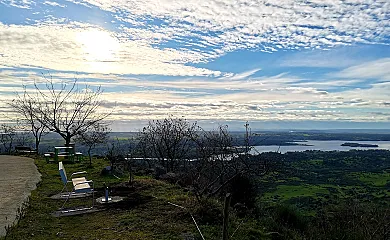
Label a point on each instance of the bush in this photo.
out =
(282, 221)
(290, 216)
(352, 220)
(243, 191)
(209, 212)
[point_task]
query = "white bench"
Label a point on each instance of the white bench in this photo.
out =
(80, 185)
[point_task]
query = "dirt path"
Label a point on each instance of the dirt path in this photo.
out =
(18, 177)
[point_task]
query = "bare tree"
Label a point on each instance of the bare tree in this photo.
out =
(220, 162)
(216, 160)
(168, 140)
(116, 154)
(142, 148)
(62, 107)
(214, 153)
(7, 137)
(97, 134)
(22, 134)
(24, 106)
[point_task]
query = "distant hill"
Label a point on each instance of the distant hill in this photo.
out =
(265, 138)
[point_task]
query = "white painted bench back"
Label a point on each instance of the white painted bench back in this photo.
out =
(62, 172)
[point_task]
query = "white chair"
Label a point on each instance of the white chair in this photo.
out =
(80, 185)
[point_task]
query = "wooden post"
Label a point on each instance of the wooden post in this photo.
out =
(130, 168)
(226, 216)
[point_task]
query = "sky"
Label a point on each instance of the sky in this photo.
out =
(319, 64)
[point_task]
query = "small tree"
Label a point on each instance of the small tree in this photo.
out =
(116, 154)
(168, 140)
(7, 137)
(220, 163)
(22, 133)
(24, 106)
(212, 170)
(61, 107)
(97, 134)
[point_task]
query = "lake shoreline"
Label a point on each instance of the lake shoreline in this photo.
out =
(322, 145)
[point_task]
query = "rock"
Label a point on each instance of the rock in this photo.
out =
(158, 172)
(106, 171)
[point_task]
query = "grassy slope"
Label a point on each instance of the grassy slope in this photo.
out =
(149, 217)
(148, 220)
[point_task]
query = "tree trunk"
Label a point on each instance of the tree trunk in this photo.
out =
(37, 140)
(67, 144)
(67, 141)
(90, 157)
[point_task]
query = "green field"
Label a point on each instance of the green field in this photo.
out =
(311, 179)
(374, 179)
(286, 192)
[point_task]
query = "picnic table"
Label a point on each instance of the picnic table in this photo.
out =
(63, 152)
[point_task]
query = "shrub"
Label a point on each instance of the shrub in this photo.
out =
(290, 216)
(352, 220)
(243, 191)
(209, 212)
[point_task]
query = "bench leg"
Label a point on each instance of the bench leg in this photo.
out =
(64, 188)
(70, 194)
(62, 207)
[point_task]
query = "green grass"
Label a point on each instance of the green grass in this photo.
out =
(297, 179)
(375, 179)
(286, 192)
(150, 217)
(316, 162)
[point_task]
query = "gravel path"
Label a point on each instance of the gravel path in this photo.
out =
(18, 177)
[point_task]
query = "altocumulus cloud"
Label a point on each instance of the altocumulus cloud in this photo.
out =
(251, 24)
(160, 57)
(198, 31)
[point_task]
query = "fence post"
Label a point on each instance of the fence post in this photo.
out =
(226, 217)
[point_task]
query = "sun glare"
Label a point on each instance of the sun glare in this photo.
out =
(98, 47)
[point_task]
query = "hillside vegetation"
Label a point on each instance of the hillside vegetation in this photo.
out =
(312, 195)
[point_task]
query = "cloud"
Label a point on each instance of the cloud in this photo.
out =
(243, 75)
(378, 92)
(282, 103)
(27, 4)
(262, 25)
(54, 4)
(278, 97)
(174, 38)
(191, 85)
(379, 69)
(88, 48)
(170, 37)
(338, 57)
(329, 84)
